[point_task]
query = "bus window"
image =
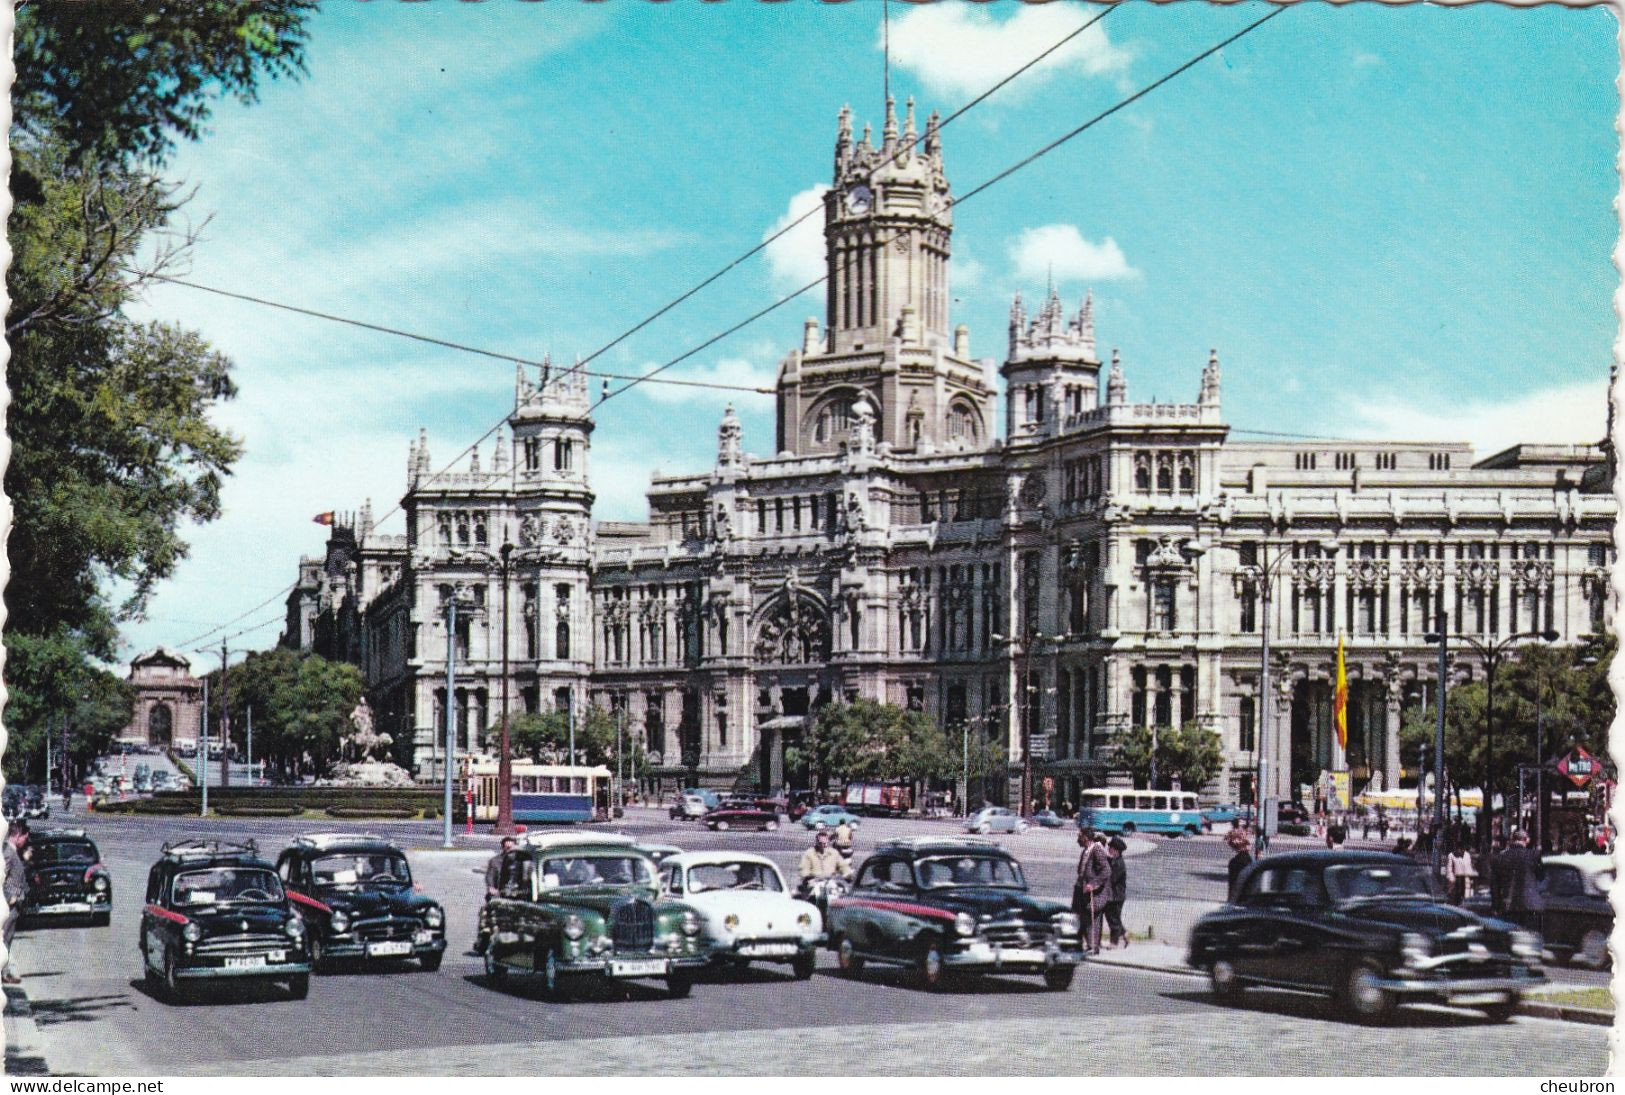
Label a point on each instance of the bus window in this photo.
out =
(1113, 802)
(1094, 802)
(1188, 802)
(1159, 802)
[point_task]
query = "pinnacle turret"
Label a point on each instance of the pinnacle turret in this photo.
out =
(1116, 386)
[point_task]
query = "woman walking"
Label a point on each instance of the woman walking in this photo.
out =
(1117, 891)
(1459, 873)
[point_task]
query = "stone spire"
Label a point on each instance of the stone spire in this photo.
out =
(868, 142)
(519, 386)
(889, 134)
(1210, 380)
(363, 526)
(1018, 322)
(910, 135)
(411, 462)
(730, 440)
(423, 452)
(1086, 322)
(843, 139)
(474, 461)
(1116, 386)
(933, 136)
(499, 457)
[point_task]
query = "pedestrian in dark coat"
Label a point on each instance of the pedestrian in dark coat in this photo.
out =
(1117, 890)
(1241, 860)
(16, 890)
(1515, 883)
(1089, 892)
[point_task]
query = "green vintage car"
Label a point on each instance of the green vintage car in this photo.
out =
(576, 908)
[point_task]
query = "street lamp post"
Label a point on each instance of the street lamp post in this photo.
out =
(1492, 655)
(504, 824)
(451, 709)
(1028, 646)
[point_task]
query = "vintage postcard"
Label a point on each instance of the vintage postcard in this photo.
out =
(964, 539)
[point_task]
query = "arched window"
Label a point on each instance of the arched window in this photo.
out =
(561, 640)
(1187, 474)
(962, 423)
(1142, 472)
(160, 725)
(834, 418)
(1165, 474)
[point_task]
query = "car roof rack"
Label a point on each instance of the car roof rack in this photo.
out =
(914, 843)
(73, 833)
(328, 840)
(574, 839)
(195, 849)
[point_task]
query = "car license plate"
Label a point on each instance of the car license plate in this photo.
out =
(768, 950)
(67, 907)
(646, 967)
(245, 961)
(1472, 998)
(388, 949)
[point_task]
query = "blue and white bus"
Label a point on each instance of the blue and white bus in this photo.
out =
(1124, 810)
(542, 793)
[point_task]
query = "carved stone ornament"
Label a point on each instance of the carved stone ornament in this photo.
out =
(1421, 573)
(564, 530)
(529, 530)
(1033, 490)
(1367, 574)
(1477, 574)
(1318, 573)
(1526, 573)
(1167, 554)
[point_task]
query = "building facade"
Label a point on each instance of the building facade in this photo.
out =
(1103, 564)
(168, 700)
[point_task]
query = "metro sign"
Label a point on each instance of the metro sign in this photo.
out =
(1579, 766)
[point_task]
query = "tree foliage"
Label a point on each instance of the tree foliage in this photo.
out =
(545, 737)
(1190, 754)
(51, 678)
(302, 704)
(870, 740)
(1559, 692)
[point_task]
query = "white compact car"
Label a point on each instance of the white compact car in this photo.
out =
(750, 914)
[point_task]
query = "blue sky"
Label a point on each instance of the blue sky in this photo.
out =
(1391, 222)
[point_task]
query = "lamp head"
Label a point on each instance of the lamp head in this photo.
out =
(1550, 636)
(1433, 637)
(1329, 546)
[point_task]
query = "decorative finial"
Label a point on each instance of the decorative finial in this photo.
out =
(1116, 386)
(908, 122)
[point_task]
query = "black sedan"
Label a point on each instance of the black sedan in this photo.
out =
(742, 815)
(1578, 919)
(67, 879)
(1367, 929)
(356, 893)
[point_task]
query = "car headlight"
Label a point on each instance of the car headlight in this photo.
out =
(341, 921)
(573, 927)
(1415, 947)
(295, 927)
(691, 924)
(1526, 945)
(731, 922)
(1067, 924)
(804, 920)
(434, 917)
(192, 933)
(965, 924)
(100, 883)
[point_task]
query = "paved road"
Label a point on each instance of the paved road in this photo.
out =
(92, 1015)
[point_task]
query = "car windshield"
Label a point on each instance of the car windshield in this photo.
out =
(225, 885)
(1356, 881)
(942, 872)
(361, 869)
(733, 876)
(58, 852)
(598, 870)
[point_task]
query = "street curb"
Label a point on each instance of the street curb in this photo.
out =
(1533, 1008)
(23, 1044)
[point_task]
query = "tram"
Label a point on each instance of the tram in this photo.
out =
(542, 793)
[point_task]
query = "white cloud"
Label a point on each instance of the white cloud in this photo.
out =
(728, 370)
(1569, 414)
(1062, 249)
(797, 257)
(962, 50)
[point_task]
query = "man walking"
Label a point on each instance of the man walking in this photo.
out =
(16, 888)
(493, 888)
(1089, 893)
(1242, 846)
(1515, 883)
(1117, 890)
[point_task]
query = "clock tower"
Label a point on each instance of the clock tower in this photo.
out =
(887, 342)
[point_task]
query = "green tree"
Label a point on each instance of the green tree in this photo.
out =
(52, 679)
(1190, 754)
(302, 704)
(866, 739)
(544, 736)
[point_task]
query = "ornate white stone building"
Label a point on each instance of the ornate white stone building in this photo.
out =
(894, 541)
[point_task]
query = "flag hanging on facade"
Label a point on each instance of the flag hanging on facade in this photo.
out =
(1340, 700)
(324, 518)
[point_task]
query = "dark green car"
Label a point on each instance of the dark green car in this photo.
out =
(578, 908)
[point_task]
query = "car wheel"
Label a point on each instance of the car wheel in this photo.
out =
(1022, 828)
(172, 984)
(428, 963)
(318, 955)
(847, 957)
(494, 970)
(1595, 948)
(932, 969)
(720, 826)
(1059, 978)
(679, 984)
(804, 964)
(299, 986)
(1502, 1012)
(1227, 988)
(984, 828)
(1191, 830)
(1363, 995)
(817, 825)
(554, 987)
(102, 919)
(1128, 827)
(771, 826)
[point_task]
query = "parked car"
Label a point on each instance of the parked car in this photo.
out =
(711, 798)
(946, 905)
(742, 815)
(1225, 813)
(688, 807)
(748, 911)
(577, 907)
(800, 802)
(1578, 918)
(355, 892)
(66, 878)
(1292, 819)
(1366, 928)
(995, 819)
(828, 816)
(217, 910)
(1048, 819)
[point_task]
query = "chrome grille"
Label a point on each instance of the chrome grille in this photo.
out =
(233, 944)
(382, 930)
(1018, 933)
(632, 927)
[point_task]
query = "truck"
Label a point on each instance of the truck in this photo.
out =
(875, 797)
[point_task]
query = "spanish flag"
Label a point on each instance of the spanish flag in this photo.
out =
(1340, 699)
(324, 518)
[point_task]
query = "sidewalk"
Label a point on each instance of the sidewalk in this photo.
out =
(24, 1047)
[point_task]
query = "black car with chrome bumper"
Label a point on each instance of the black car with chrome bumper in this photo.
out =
(215, 910)
(952, 905)
(356, 894)
(66, 878)
(1366, 928)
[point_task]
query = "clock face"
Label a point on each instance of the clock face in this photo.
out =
(859, 200)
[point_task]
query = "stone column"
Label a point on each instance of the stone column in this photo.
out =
(1279, 753)
(1393, 695)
